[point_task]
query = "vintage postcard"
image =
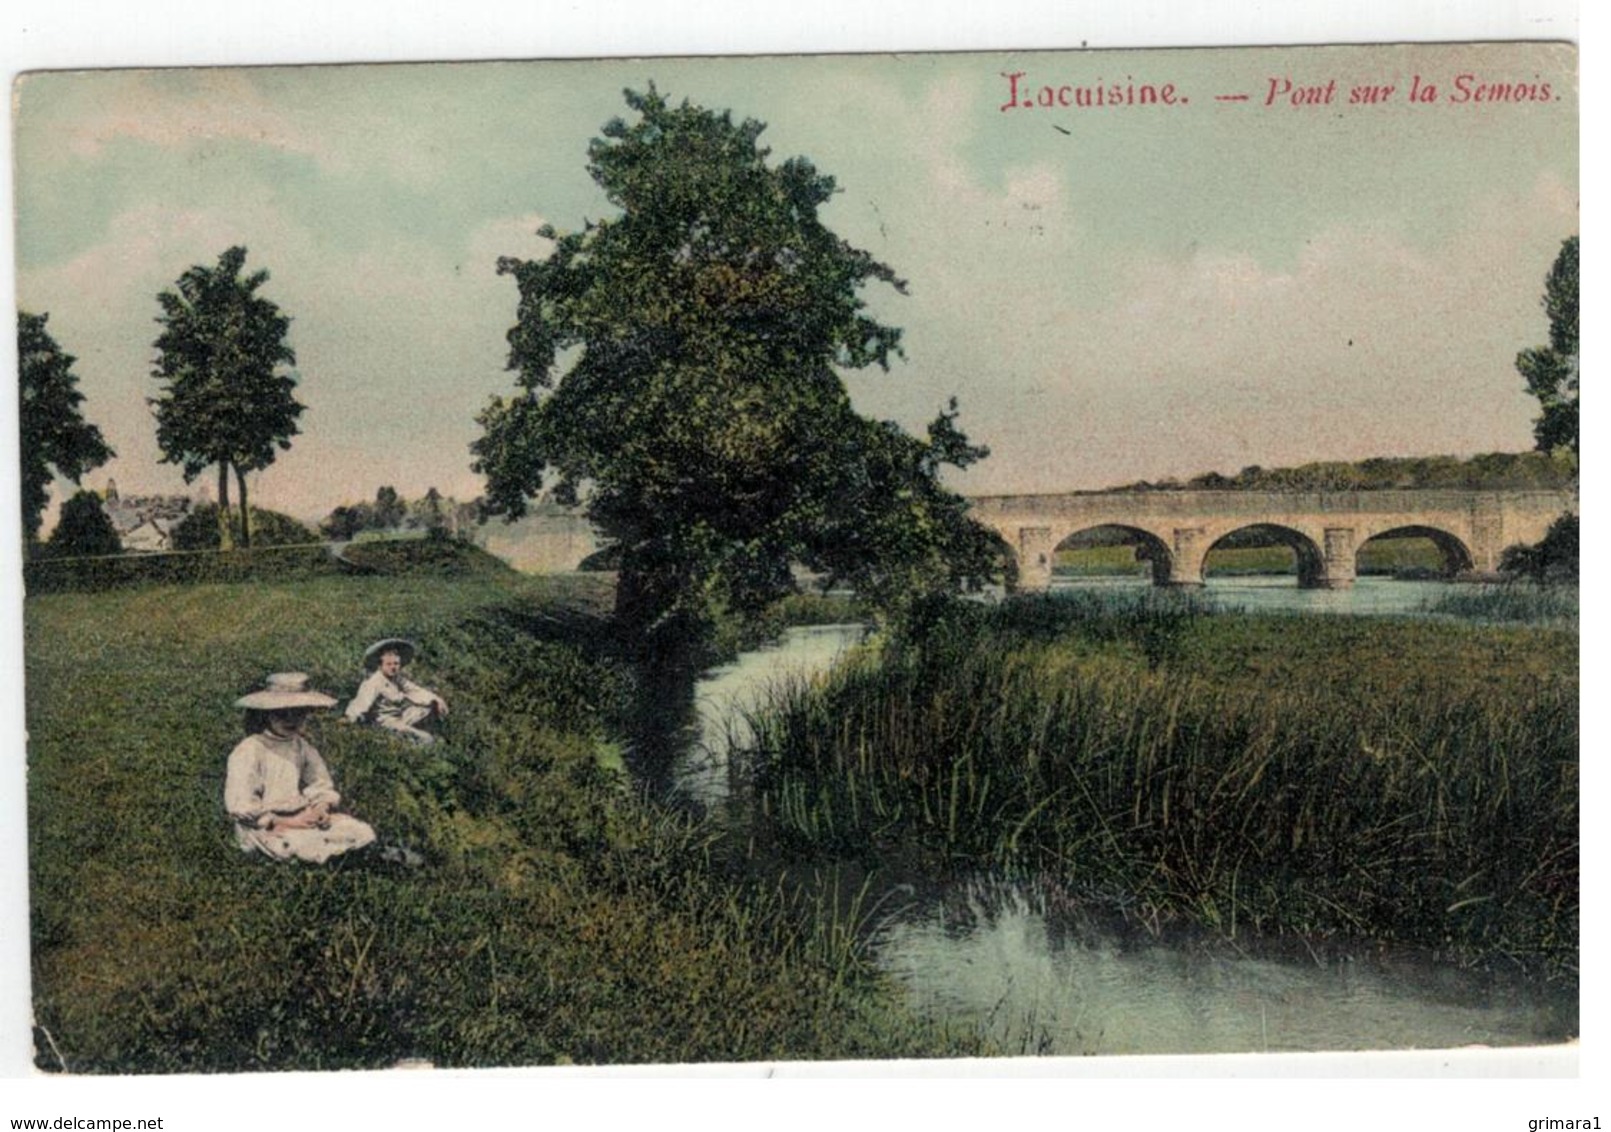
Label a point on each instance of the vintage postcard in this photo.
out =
(693, 561)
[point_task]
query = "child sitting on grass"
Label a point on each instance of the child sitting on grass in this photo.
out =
(391, 700)
(278, 790)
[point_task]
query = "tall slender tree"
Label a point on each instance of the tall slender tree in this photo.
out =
(679, 368)
(55, 438)
(1552, 371)
(1552, 377)
(433, 514)
(226, 399)
(390, 509)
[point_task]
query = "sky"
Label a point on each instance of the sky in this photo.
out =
(1116, 293)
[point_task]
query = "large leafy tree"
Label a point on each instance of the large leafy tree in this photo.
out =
(55, 438)
(679, 369)
(226, 399)
(1552, 371)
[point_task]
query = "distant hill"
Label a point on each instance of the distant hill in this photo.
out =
(1493, 471)
(437, 557)
(198, 530)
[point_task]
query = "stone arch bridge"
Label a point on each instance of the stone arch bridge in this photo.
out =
(1176, 529)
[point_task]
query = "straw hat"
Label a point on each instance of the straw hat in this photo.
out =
(405, 651)
(285, 690)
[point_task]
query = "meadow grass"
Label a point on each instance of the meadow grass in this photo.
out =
(1098, 561)
(1416, 556)
(1402, 781)
(560, 917)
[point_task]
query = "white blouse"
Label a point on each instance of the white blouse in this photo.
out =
(269, 776)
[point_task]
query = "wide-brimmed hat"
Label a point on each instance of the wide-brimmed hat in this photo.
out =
(285, 690)
(405, 651)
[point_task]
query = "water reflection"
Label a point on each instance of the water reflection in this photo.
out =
(1373, 596)
(1043, 981)
(702, 774)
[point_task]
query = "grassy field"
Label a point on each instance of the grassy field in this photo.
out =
(1317, 778)
(559, 919)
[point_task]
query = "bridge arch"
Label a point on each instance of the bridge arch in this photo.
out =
(1311, 559)
(1456, 555)
(1149, 547)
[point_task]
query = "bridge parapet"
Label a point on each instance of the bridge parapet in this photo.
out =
(1202, 502)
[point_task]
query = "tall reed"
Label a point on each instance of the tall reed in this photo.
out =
(1514, 601)
(1396, 781)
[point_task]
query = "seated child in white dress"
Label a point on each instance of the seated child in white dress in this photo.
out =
(278, 790)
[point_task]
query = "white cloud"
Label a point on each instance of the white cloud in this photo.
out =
(507, 236)
(178, 111)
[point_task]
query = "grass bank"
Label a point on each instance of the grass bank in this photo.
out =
(560, 919)
(1384, 780)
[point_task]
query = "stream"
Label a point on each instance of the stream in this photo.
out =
(1040, 974)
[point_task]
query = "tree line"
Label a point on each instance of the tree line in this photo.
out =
(433, 513)
(1492, 471)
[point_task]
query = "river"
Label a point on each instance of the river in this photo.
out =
(1370, 596)
(1041, 975)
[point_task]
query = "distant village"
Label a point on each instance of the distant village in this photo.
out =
(145, 523)
(551, 537)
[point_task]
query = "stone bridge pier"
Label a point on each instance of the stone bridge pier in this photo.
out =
(1175, 530)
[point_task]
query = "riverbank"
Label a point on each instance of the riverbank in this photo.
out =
(559, 919)
(1258, 777)
(1515, 601)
